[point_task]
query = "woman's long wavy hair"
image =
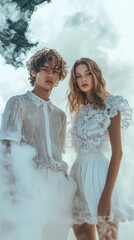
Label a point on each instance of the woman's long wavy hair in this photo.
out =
(76, 98)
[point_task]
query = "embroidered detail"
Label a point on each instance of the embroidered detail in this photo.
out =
(89, 130)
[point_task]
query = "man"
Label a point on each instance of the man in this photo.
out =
(36, 194)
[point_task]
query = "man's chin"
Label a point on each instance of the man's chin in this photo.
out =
(48, 89)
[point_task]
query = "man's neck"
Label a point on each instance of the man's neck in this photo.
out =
(42, 93)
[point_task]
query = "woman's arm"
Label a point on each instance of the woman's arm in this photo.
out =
(104, 206)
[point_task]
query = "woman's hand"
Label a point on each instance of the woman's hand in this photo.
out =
(104, 207)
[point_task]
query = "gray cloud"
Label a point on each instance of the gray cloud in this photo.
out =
(99, 26)
(79, 18)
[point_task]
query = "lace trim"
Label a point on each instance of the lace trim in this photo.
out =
(95, 220)
(55, 166)
(81, 213)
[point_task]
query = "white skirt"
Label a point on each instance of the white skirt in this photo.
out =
(34, 205)
(90, 172)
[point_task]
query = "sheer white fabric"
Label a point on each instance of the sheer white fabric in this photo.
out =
(36, 194)
(90, 139)
(90, 126)
(23, 121)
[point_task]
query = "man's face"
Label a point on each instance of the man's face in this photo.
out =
(47, 77)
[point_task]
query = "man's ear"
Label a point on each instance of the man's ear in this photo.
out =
(33, 73)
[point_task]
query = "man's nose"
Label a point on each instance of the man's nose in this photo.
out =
(50, 74)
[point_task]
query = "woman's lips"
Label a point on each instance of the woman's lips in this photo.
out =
(84, 85)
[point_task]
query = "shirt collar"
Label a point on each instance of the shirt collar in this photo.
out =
(39, 101)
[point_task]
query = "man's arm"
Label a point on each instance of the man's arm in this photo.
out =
(11, 126)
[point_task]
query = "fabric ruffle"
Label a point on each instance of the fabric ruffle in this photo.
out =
(90, 172)
(119, 104)
(89, 131)
(81, 213)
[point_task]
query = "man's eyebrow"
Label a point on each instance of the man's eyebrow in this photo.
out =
(55, 67)
(45, 66)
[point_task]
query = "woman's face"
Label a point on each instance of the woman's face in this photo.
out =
(84, 78)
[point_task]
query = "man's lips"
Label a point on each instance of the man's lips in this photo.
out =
(49, 82)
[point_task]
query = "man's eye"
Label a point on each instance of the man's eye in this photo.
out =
(55, 72)
(45, 70)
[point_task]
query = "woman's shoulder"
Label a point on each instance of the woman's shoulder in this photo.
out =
(114, 99)
(117, 103)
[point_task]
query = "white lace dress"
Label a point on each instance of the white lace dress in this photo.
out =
(90, 139)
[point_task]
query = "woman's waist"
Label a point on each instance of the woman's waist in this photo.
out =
(91, 146)
(91, 156)
(89, 152)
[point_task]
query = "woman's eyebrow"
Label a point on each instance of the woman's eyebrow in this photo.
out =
(84, 71)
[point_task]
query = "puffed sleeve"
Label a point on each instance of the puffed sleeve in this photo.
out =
(63, 133)
(12, 121)
(119, 104)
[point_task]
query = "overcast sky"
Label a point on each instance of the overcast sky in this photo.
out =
(99, 29)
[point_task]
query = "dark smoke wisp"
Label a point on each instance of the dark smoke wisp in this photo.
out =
(15, 17)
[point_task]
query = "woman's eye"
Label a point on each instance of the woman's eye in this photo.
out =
(78, 77)
(88, 74)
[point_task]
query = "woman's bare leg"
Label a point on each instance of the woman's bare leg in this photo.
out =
(84, 232)
(108, 230)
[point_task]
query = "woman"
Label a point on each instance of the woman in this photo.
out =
(98, 116)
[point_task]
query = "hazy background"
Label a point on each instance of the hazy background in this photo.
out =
(99, 29)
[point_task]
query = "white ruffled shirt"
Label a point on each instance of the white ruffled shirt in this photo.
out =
(89, 130)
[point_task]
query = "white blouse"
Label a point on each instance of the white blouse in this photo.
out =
(39, 123)
(89, 131)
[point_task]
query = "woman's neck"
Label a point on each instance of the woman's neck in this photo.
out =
(90, 98)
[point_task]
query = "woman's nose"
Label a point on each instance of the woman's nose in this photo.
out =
(83, 78)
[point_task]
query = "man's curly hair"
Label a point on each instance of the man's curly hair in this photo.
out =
(51, 56)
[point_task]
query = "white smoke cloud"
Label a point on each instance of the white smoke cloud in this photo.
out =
(8, 10)
(13, 31)
(99, 29)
